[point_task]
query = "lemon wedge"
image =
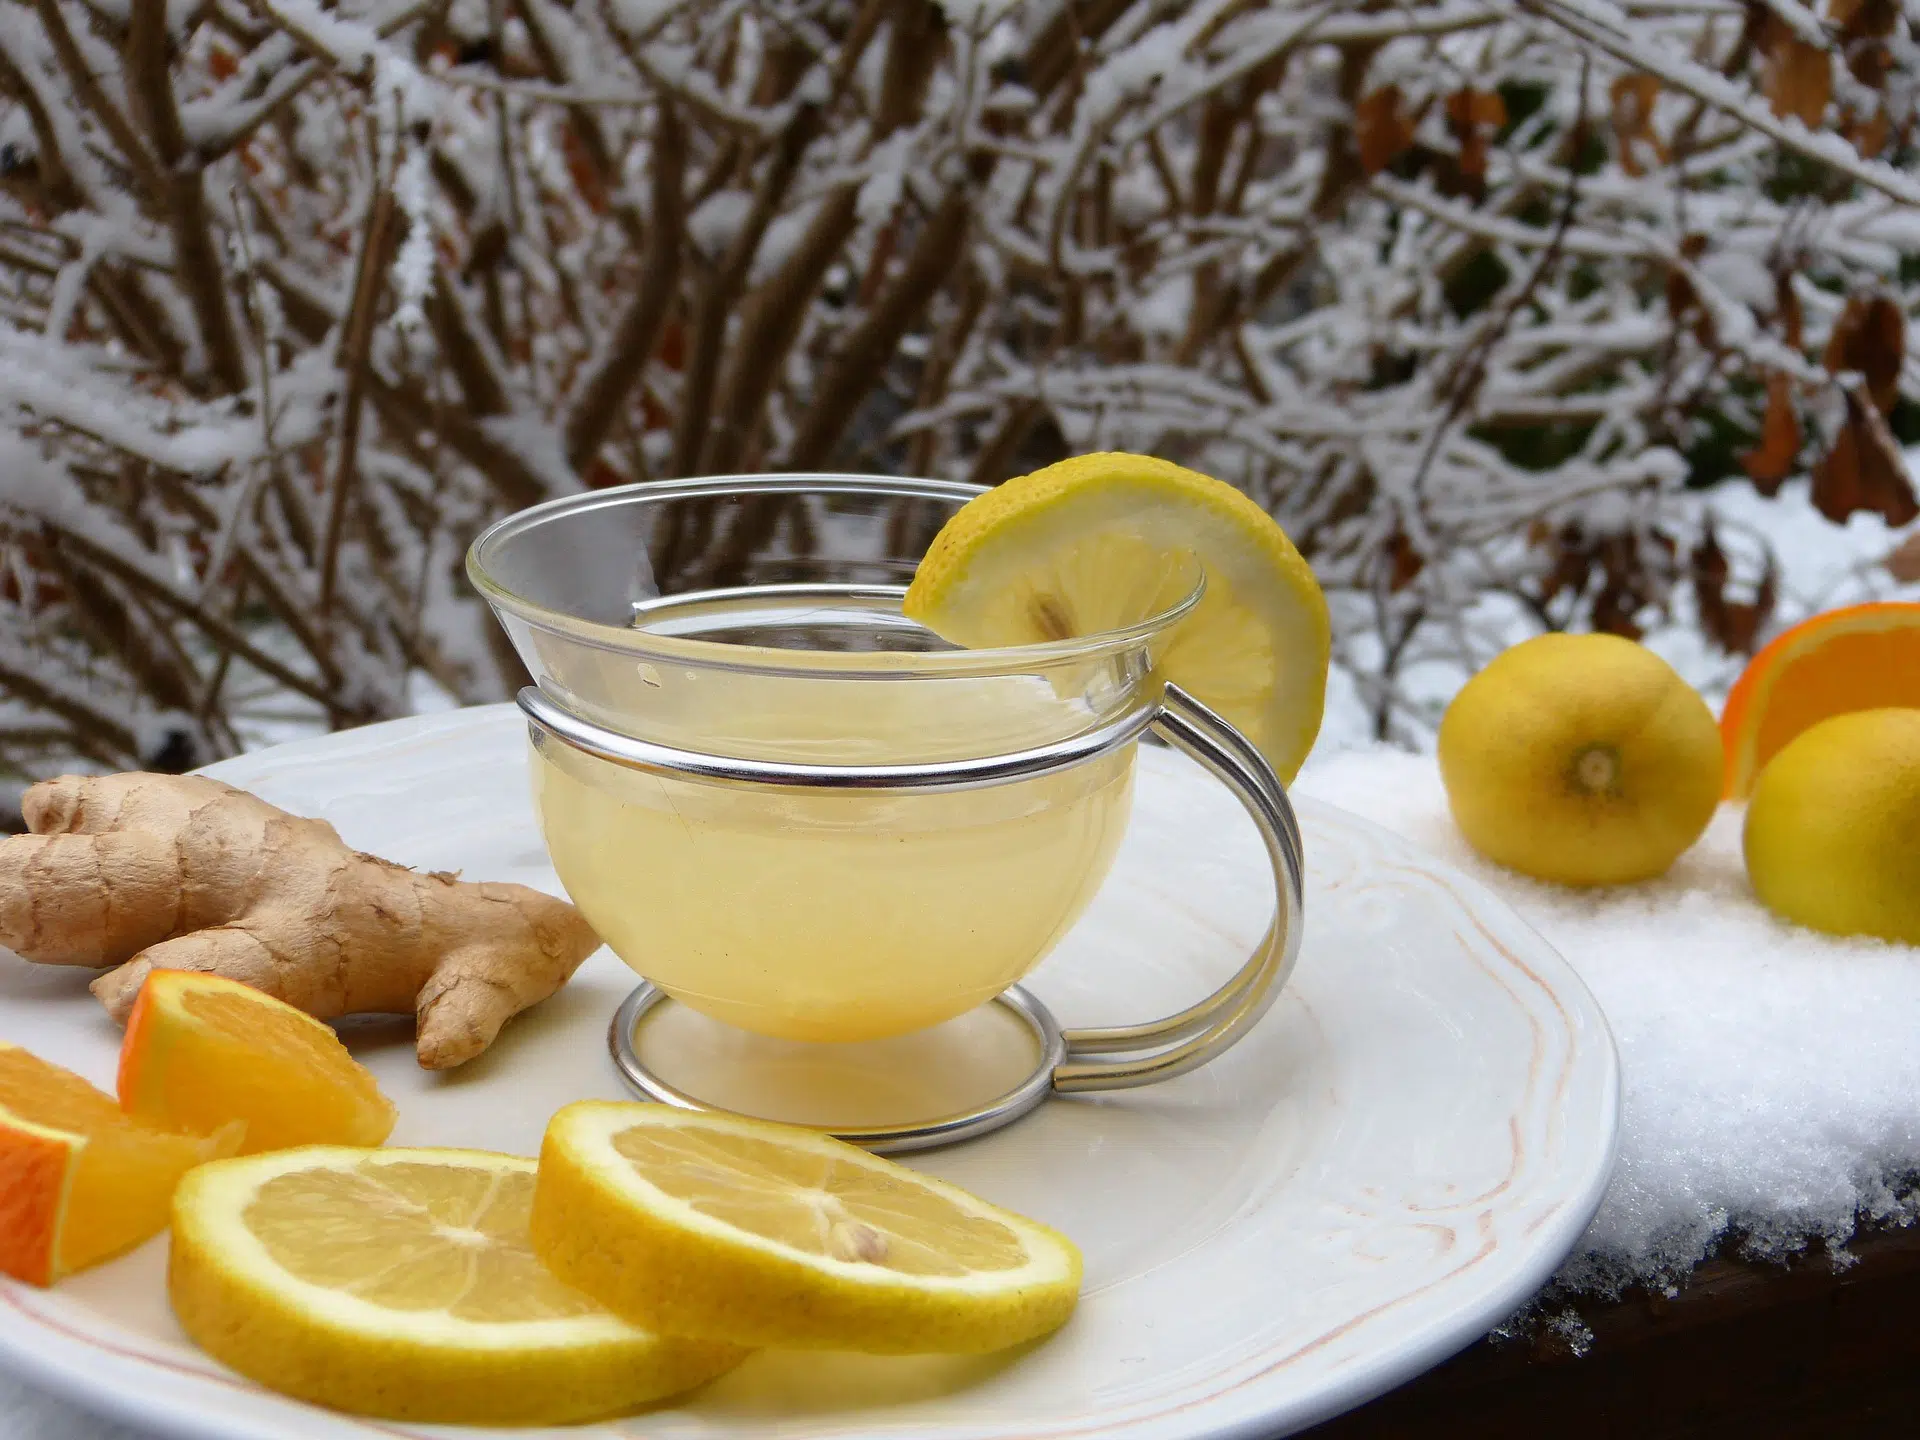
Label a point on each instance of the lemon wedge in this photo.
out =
(399, 1284)
(1083, 546)
(768, 1234)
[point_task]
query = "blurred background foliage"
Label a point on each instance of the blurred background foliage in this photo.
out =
(1485, 300)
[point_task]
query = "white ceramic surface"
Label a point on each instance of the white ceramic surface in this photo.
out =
(1396, 1158)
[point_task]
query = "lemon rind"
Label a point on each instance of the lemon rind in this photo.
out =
(645, 1256)
(585, 1131)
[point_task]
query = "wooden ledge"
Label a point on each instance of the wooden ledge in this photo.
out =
(1749, 1350)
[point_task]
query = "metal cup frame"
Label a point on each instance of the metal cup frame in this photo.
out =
(1071, 1061)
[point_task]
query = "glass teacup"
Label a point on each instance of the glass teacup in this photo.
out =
(792, 809)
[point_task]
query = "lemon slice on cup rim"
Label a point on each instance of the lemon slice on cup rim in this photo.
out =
(1082, 546)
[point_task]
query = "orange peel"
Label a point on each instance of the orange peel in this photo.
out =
(1859, 657)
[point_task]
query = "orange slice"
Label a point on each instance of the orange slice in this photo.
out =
(79, 1181)
(202, 1051)
(1862, 657)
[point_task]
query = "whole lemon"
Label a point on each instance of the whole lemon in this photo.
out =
(1833, 829)
(1584, 759)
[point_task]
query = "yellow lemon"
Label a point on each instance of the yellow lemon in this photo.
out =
(764, 1234)
(400, 1283)
(1833, 829)
(1583, 759)
(1086, 545)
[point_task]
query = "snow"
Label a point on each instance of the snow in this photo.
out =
(413, 265)
(537, 445)
(717, 219)
(782, 237)
(70, 282)
(1770, 1083)
(886, 181)
(1163, 312)
(354, 46)
(67, 383)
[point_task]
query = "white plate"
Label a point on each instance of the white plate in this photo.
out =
(1392, 1161)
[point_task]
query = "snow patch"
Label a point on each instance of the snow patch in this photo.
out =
(714, 223)
(1770, 1085)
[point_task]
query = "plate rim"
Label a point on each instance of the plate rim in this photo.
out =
(34, 1349)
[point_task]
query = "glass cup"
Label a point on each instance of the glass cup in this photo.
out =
(787, 806)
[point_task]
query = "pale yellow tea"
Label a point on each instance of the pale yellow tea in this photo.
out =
(836, 916)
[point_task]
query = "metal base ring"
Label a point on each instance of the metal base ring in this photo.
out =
(1003, 1109)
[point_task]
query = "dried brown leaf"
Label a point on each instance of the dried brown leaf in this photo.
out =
(1683, 300)
(1868, 136)
(1870, 62)
(1864, 471)
(1681, 296)
(1708, 569)
(1733, 625)
(1626, 589)
(1903, 561)
(1864, 19)
(1771, 461)
(1572, 564)
(1381, 130)
(581, 169)
(600, 475)
(1633, 97)
(1613, 612)
(1797, 77)
(1404, 562)
(1787, 308)
(1470, 115)
(1870, 337)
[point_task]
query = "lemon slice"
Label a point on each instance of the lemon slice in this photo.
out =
(1082, 546)
(769, 1234)
(399, 1283)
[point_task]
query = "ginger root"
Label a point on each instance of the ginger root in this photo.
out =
(180, 872)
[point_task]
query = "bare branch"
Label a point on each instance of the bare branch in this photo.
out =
(151, 88)
(354, 345)
(637, 331)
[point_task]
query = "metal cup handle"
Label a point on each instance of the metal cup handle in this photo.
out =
(1122, 1056)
